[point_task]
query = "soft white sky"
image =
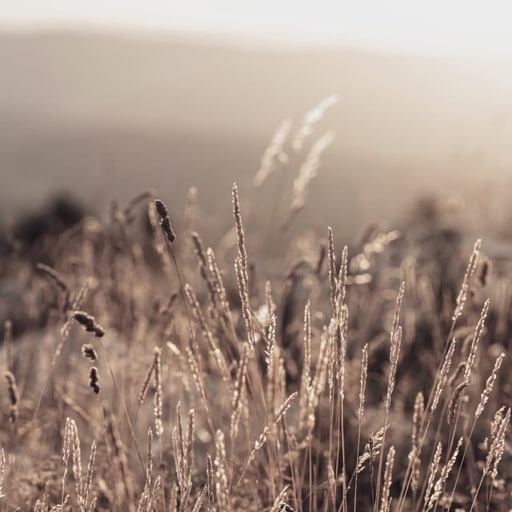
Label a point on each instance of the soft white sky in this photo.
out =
(428, 26)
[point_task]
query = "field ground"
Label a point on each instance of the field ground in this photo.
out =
(225, 349)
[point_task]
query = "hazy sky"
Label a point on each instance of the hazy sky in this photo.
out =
(428, 26)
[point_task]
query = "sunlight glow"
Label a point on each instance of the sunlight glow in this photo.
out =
(435, 27)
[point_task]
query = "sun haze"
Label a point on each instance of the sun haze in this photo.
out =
(437, 27)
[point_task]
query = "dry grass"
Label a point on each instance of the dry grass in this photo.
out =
(378, 380)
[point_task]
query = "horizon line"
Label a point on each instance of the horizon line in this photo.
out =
(250, 40)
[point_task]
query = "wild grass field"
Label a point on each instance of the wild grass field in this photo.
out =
(279, 370)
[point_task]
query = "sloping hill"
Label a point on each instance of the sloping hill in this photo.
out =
(108, 114)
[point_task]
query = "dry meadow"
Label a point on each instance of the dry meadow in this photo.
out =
(278, 370)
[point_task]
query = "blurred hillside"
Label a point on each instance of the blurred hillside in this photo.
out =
(106, 116)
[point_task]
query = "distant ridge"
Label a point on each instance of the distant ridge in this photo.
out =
(124, 106)
(92, 79)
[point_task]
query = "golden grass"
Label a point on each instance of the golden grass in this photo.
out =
(373, 381)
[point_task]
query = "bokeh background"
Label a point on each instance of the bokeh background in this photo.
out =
(100, 99)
